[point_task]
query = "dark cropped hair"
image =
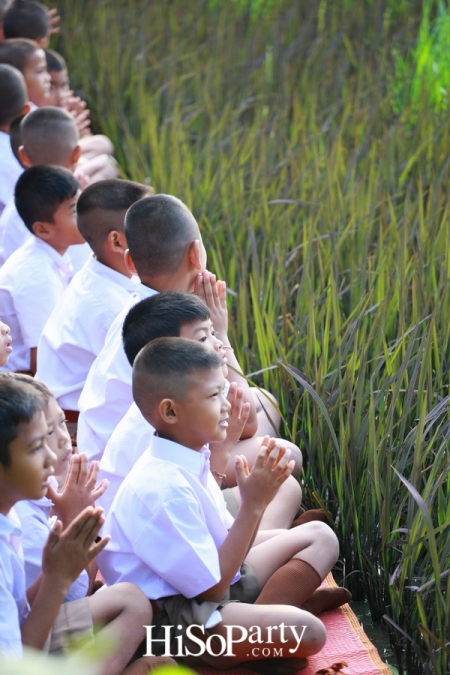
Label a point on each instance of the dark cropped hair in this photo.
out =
(165, 366)
(26, 19)
(17, 52)
(40, 387)
(14, 93)
(159, 230)
(55, 62)
(19, 403)
(49, 135)
(99, 201)
(40, 191)
(161, 315)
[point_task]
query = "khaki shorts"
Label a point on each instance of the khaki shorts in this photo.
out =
(180, 613)
(72, 624)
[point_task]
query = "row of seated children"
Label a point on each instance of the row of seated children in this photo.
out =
(166, 250)
(26, 21)
(179, 518)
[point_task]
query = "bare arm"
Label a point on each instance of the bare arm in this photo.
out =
(65, 555)
(258, 487)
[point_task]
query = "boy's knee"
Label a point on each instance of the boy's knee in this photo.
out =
(314, 637)
(134, 600)
(296, 455)
(291, 492)
(327, 539)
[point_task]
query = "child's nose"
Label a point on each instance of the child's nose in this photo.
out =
(50, 457)
(5, 329)
(226, 405)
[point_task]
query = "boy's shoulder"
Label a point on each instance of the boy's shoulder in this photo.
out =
(97, 284)
(34, 263)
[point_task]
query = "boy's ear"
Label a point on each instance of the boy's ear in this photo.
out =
(129, 264)
(76, 155)
(167, 411)
(43, 42)
(42, 230)
(24, 158)
(195, 254)
(116, 242)
(25, 110)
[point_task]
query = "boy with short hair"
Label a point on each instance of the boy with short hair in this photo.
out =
(29, 58)
(183, 549)
(33, 279)
(27, 19)
(25, 469)
(75, 331)
(48, 136)
(13, 103)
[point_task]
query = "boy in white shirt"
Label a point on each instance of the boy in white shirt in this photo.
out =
(13, 103)
(76, 330)
(37, 516)
(34, 278)
(25, 470)
(48, 136)
(183, 549)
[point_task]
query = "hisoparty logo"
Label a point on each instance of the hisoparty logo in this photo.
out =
(266, 641)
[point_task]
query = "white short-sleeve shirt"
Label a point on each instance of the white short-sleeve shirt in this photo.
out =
(35, 520)
(107, 394)
(14, 606)
(32, 281)
(14, 233)
(76, 329)
(10, 170)
(127, 444)
(166, 523)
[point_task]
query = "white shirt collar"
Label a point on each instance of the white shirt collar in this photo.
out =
(108, 273)
(190, 460)
(62, 263)
(10, 524)
(142, 292)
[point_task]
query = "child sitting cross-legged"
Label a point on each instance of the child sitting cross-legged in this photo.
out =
(35, 616)
(183, 549)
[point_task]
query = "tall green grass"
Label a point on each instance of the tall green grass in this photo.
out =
(328, 215)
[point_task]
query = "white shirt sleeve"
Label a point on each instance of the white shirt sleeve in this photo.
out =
(33, 305)
(178, 528)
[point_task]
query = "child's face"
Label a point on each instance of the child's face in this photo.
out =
(31, 462)
(58, 439)
(37, 79)
(64, 229)
(203, 331)
(203, 411)
(59, 88)
(5, 344)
